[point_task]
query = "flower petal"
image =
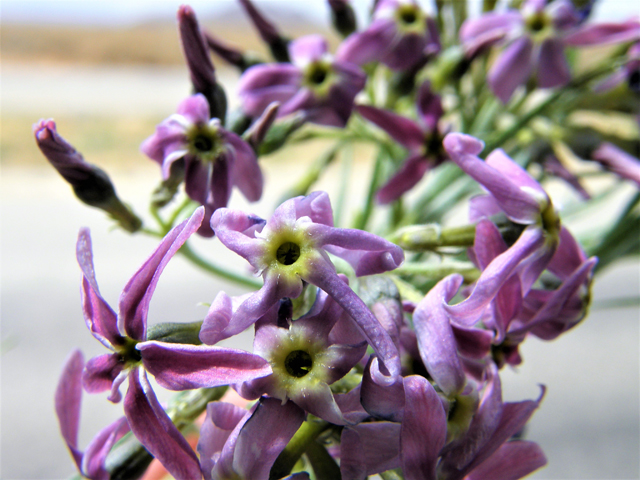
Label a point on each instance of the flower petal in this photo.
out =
(98, 315)
(369, 448)
(511, 69)
(184, 367)
(605, 33)
(136, 295)
(100, 372)
(381, 400)
(368, 45)
(247, 175)
(262, 84)
(410, 173)
(93, 462)
(367, 253)
(403, 130)
(264, 436)
(153, 427)
(553, 69)
(436, 342)
(68, 399)
(307, 49)
(511, 461)
(424, 429)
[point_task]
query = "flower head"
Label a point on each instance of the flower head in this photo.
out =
(423, 139)
(401, 36)
(213, 159)
(536, 36)
(306, 357)
(292, 248)
(321, 87)
(175, 366)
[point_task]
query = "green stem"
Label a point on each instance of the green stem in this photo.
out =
(323, 464)
(307, 433)
(345, 174)
(437, 272)
(217, 270)
(421, 238)
(392, 475)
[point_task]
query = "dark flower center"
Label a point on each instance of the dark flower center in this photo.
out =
(298, 363)
(537, 22)
(408, 15)
(634, 81)
(288, 253)
(203, 143)
(317, 73)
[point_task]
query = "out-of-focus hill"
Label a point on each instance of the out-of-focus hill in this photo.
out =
(154, 43)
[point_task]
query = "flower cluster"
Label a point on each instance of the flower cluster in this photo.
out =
(377, 345)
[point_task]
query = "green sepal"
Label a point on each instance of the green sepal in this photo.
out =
(173, 332)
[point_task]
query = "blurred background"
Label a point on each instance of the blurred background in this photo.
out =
(108, 72)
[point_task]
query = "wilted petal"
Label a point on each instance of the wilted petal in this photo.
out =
(153, 427)
(136, 295)
(512, 461)
(511, 69)
(98, 315)
(264, 436)
(403, 130)
(553, 69)
(67, 401)
(185, 367)
(369, 448)
(424, 429)
(436, 342)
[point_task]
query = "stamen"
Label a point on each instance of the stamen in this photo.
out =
(288, 253)
(298, 363)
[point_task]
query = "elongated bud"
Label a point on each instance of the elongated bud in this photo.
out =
(278, 45)
(203, 74)
(232, 55)
(343, 17)
(280, 131)
(258, 131)
(90, 184)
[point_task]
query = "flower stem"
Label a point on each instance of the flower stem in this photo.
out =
(217, 270)
(307, 433)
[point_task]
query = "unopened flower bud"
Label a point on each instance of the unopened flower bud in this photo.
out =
(256, 134)
(90, 183)
(203, 74)
(343, 17)
(230, 54)
(280, 132)
(278, 45)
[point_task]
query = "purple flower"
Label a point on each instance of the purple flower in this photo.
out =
(485, 448)
(306, 356)
(423, 139)
(213, 159)
(175, 366)
(535, 38)
(291, 248)
(516, 194)
(401, 36)
(321, 87)
(235, 443)
(90, 463)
